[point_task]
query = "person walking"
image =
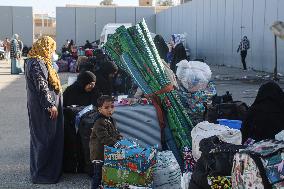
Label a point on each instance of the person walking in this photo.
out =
(45, 110)
(243, 48)
(7, 47)
(15, 55)
(21, 46)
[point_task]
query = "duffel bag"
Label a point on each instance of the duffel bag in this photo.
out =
(259, 166)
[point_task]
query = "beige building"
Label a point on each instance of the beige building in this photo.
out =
(147, 2)
(44, 25)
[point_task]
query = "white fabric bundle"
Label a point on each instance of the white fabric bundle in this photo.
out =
(206, 130)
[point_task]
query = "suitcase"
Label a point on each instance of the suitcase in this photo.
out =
(72, 155)
(85, 130)
(235, 110)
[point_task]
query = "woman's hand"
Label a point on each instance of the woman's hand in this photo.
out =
(53, 112)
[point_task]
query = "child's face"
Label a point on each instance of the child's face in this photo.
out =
(107, 109)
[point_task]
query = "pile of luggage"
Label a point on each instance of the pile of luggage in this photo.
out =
(67, 64)
(205, 152)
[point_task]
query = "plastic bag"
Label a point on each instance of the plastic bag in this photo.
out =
(167, 173)
(194, 75)
(185, 179)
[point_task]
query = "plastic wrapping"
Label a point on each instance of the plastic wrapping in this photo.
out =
(194, 75)
(167, 173)
(129, 164)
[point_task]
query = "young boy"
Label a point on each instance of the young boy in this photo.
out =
(104, 133)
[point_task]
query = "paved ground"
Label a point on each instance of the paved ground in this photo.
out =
(14, 131)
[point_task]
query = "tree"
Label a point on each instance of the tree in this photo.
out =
(106, 2)
(165, 3)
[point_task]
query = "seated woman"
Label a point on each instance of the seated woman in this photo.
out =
(82, 92)
(266, 115)
(105, 77)
(88, 45)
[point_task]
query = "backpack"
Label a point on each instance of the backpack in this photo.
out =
(236, 110)
(259, 166)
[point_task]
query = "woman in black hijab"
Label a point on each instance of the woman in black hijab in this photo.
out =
(88, 45)
(161, 46)
(83, 92)
(266, 115)
(105, 75)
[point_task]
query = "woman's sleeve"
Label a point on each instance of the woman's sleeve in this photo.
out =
(41, 86)
(169, 57)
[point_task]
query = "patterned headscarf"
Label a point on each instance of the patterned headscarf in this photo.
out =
(15, 36)
(42, 49)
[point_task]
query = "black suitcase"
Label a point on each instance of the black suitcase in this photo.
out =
(85, 129)
(235, 110)
(73, 160)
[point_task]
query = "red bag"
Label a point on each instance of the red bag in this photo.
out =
(89, 52)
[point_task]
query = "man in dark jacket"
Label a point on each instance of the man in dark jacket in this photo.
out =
(104, 133)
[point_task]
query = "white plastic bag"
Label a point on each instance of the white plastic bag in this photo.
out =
(167, 173)
(185, 179)
(194, 75)
(206, 130)
(280, 136)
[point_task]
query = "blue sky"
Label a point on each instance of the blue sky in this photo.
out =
(48, 6)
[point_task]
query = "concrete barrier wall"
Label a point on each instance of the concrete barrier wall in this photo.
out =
(17, 20)
(82, 23)
(215, 27)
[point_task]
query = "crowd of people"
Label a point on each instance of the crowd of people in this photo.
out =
(96, 86)
(14, 50)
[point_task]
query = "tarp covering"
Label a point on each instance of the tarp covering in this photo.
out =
(139, 122)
